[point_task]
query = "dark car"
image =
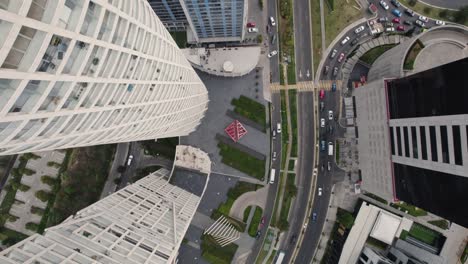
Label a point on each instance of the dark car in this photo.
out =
(354, 42)
(330, 130)
(293, 239)
(407, 22)
(395, 3)
(333, 87)
(322, 145)
(409, 12)
(259, 233)
(335, 71)
(314, 217)
(322, 106)
(327, 68)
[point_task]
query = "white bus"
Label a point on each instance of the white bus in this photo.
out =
(280, 258)
(272, 176)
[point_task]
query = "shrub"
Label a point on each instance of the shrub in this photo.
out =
(32, 226)
(37, 210)
(260, 4)
(28, 172)
(283, 224)
(31, 156)
(412, 2)
(259, 38)
(117, 181)
(43, 195)
(427, 10)
(12, 218)
(23, 187)
(46, 179)
(54, 164)
(443, 13)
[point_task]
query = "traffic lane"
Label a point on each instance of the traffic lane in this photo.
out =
(130, 170)
(305, 168)
(274, 62)
(302, 40)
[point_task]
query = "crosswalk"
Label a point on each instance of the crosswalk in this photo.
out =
(307, 86)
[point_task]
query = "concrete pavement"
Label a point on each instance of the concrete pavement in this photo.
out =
(257, 198)
(120, 157)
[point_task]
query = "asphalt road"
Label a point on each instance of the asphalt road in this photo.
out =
(302, 40)
(450, 4)
(134, 150)
(305, 166)
(272, 192)
(274, 61)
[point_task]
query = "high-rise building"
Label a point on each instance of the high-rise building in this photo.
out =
(413, 130)
(143, 223)
(209, 21)
(171, 14)
(85, 72)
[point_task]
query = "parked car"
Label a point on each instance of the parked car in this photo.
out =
(384, 4)
(314, 217)
(322, 145)
(383, 19)
(273, 53)
(341, 57)
(395, 3)
(330, 115)
(129, 160)
(400, 28)
(396, 12)
(389, 29)
(251, 24)
(440, 23)
(322, 122)
(333, 54)
(333, 87)
(272, 21)
(329, 166)
(273, 39)
(423, 19)
(259, 233)
(253, 30)
(346, 39)
(359, 29)
(407, 22)
(319, 191)
(354, 42)
(330, 129)
(335, 71)
(327, 68)
(409, 12)
(420, 23)
(396, 20)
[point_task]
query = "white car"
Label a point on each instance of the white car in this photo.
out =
(253, 30)
(330, 115)
(333, 54)
(322, 122)
(359, 29)
(272, 21)
(346, 39)
(420, 23)
(424, 19)
(390, 29)
(274, 155)
(320, 192)
(384, 4)
(273, 53)
(129, 161)
(440, 23)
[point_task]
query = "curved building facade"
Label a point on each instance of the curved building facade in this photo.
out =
(86, 72)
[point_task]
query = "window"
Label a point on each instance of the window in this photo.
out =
(407, 146)
(414, 138)
(392, 141)
(432, 138)
(457, 145)
(398, 134)
(422, 131)
(444, 141)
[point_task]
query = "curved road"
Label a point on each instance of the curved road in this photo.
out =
(448, 4)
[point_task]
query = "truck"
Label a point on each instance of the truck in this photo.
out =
(330, 149)
(272, 176)
(280, 258)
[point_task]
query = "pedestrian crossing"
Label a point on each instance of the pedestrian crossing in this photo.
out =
(307, 86)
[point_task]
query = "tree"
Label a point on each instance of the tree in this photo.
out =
(32, 226)
(121, 169)
(427, 10)
(283, 224)
(43, 195)
(46, 179)
(443, 13)
(345, 218)
(461, 16)
(412, 2)
(259, 38)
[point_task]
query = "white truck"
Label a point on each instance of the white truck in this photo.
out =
(330, 149)
(280, 258)
(272, 176)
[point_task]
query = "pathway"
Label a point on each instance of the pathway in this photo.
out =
(256, 198)
(322, 26)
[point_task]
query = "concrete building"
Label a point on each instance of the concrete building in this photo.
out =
(143, 223)
(208, 21)
(79, 72)
(412, 126)
(171, 14)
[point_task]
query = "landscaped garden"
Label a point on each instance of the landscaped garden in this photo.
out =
(409, 209)
(216, 254)
(412, 54)
(423, 234)
(164, 147)
(371, 55)
(242, 161)
(250, 109)
(256, 219)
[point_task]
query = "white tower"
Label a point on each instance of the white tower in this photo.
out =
(142, 223)
(86, 72)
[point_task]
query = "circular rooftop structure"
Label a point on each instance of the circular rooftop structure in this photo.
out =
(228, 66)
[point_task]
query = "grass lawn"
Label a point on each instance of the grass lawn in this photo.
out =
(180, 37)
(375, 197)
(424, 234)
(432, 12)
(265, 247)
(234, 193)
(291, 70)
(272, 257)
(316, 31)
(444, 224)
(82, 182)
(412, 54)
(250, 109)
(213, 253)
(412, 210)
(291, 165)
(284, 129)
(257, 217)
(342, 15)
(242, 161)
(246, 213)
(370, 56)
(281, 74)
(293, 111)
(165, 147)
(289, 193)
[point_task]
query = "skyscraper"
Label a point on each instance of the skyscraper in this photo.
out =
(413, 130)
(209, 21)
(171, 14)
(143, 223)
(79, 72)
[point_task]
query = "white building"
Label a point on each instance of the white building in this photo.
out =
(79, 72)
(142, 223)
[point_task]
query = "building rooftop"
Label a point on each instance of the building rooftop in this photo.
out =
(386, 227)
(228, 62)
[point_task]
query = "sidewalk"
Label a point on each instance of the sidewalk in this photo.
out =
(257, 198)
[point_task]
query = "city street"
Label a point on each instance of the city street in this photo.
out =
(302, 41)
(274, 61)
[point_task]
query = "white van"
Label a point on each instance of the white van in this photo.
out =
(278, 127)
(272, 176)
(330, 149)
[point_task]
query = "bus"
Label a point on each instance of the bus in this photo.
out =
(272, 176)
(280, 258)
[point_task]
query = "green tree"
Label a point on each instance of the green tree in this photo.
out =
(412, 2)
(461, 16)
(32, 226)
(46, 179)
(283, 224)
(345, 218)
(42, 195)
(443, 13)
